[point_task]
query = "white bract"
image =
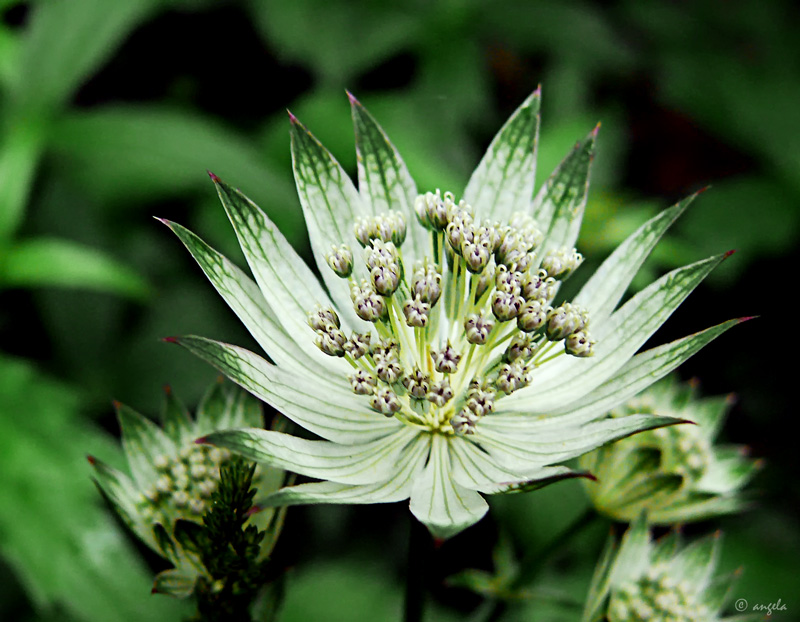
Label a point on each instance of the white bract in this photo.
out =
(433, 362)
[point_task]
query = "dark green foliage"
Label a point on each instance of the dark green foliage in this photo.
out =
(228, 549)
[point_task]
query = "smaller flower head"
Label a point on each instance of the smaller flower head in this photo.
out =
(676, 474)
(642, 580)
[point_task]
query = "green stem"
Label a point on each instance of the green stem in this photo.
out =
(419, 548)
(533, 563)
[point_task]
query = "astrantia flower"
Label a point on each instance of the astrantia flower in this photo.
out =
(174, 478)
(435, 363)
(676, 474)
(646, 581)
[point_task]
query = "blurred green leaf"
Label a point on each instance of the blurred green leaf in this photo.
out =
(66, 42)
(51, 261)
(135, 153)
(54, 531)
(336, 39)
(20, 149)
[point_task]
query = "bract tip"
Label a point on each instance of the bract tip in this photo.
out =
(92, 460)
(169, 339)
(213, 177)
(729, 253)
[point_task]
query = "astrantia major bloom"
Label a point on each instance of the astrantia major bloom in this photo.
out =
(676, 474)
(174, 479)
(640, 580)
(436, 363)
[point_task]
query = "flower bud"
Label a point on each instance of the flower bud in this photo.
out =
(446, 360)
(565, 320)
(385, 279)
(512, 377)
(464, 422)
(478, 328)
(340, 260)
(562, 262)
(539, 286)
(368, 305)
(385, 401)
(331, 342)
(358, 344)
(417, 384)
(506, 306)
(362, 382)
(522, 347)
(321, 319)
(416, 312)
(532, 316)
(440, 393)
(388, 369)
(427, 284)
(579, 344)
(476, 255)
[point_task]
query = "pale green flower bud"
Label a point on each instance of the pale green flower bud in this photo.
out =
(388, 369)
(321, 319)
(476, 254)
(369, 306)
(416, 312)
(446, 360)
(384, 348)
(385, 279)
(522, 347)
(506, 306)
(508, 281)
(362, 382)
(565, 320)
(385, 401)
(380, 253)
(331, 342)
(478, 328)
(417, 384)
(579, 344)
(481, 397)
(539, 286)
(358, 344)
(464, 422)
(532, 316)
(431, 210)
(525, 227)
(440, 392)
(512, 377)
(427, 284)
(340, 260)
(362, 229)
(562, 262)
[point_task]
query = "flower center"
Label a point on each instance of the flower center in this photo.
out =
(465, 327)
(656, 597)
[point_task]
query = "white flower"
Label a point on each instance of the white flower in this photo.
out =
(434, 366)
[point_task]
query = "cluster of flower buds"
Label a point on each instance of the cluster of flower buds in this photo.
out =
(479, 402)
(330, 339)
(494, 286)
(389, 227)
(185, 482)
(657, 595)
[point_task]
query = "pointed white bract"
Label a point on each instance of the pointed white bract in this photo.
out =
(437, 364)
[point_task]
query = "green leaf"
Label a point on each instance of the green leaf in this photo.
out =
(504, 180)
(558, 207)
(45, 262)
(285, 281)
(331, 205)
(334, 414)
(633, 557)
(396, 488)
(130, 154)
(384, 182)
(22, 145)
(67, 42)
(366, 463)
(175, 582)
(438, 502)
(601, 293)
(696, 563)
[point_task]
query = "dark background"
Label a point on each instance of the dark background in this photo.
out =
(110, 113)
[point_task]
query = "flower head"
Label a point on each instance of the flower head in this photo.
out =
(173, 478)
(470, 378)
(676, 474)
(642, 580)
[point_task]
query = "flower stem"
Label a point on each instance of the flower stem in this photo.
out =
(535, 562)
(419, 549)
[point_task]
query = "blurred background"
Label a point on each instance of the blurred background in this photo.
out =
(110, 114)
